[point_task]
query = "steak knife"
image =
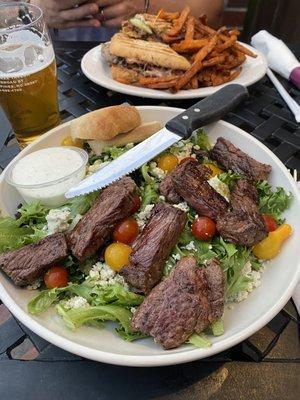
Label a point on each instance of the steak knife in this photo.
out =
(208, 110)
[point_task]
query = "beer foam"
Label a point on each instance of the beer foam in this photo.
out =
(25, 53)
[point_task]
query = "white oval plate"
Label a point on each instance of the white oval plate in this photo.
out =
(97, 70)
(278, 281)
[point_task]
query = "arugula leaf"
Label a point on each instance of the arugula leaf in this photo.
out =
(199, 340)
(273, 202)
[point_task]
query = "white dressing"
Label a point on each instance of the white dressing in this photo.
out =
(47, 174)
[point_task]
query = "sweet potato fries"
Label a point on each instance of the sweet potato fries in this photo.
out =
(216, 57)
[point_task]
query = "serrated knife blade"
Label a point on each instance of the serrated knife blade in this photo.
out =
(127, 163)
(202, 113)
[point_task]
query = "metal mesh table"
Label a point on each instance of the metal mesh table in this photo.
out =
(49, 372)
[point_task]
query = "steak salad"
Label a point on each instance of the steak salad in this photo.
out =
(161, 252)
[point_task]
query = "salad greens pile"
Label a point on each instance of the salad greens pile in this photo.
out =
(87, 300)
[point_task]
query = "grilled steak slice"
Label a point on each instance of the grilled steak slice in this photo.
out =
(114, 204)
(233, 158)
(154, 246)
(245, 229)
(190, 182)
(166, 188)
(181, 303)
(243, 224)
(170, 312)
(215, 293)
(244, 196)
(26, 265)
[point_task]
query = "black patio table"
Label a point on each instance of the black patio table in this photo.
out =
(265, 366)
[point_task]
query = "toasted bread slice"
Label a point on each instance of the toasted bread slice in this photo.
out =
(153, 53)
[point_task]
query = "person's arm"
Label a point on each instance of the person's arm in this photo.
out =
(113, 12)
(69, 13)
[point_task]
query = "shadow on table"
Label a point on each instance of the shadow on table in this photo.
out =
(89, 380)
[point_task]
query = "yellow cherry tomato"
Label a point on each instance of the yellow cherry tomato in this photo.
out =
(116, 255)
(167, 162)
(214, 169)
(68, 141)
(270, 246)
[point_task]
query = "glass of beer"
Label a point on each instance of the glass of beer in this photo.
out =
(28, 74)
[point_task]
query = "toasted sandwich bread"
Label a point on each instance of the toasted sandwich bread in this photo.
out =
(141, 51)
(137, 135)
(106, 123)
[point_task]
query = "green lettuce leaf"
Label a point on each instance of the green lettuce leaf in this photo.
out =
(81, 204)
(233, 259)
(199, 340)
(13, 235)
(130, 336)
(200, 138)
(33, 213)
(217, 328)
(115, 152)
(115, 294)
(95, 295)
(149, 188)
(44, 300)
(75, 318)
(229, 178)
(273, 201)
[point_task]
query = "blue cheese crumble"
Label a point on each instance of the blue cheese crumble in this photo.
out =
(76, 302)
(143, 216)
(101, 274)
(58, 220)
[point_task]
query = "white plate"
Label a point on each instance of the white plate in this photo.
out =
(263, 304)
(97, 70)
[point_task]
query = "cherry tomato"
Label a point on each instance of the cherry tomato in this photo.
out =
(136, 204)
(68, 141)
(270, 222)
(203, 228)
(116, 255)
(188, 159)
(126, 231)
(167, 162)
(214, 169)
(56, 277)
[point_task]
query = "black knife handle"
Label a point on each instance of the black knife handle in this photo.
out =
(210, 109)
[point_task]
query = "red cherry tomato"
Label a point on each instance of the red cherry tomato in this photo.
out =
(203, 228)
(126, 231)
(270, 222)
(136, 204)
(188, 159)
(56, 277)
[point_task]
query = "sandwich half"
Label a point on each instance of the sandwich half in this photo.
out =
(130, 59)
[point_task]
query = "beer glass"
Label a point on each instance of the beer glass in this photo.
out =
(28, 75)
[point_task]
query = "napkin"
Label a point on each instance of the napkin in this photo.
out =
(278, 55)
